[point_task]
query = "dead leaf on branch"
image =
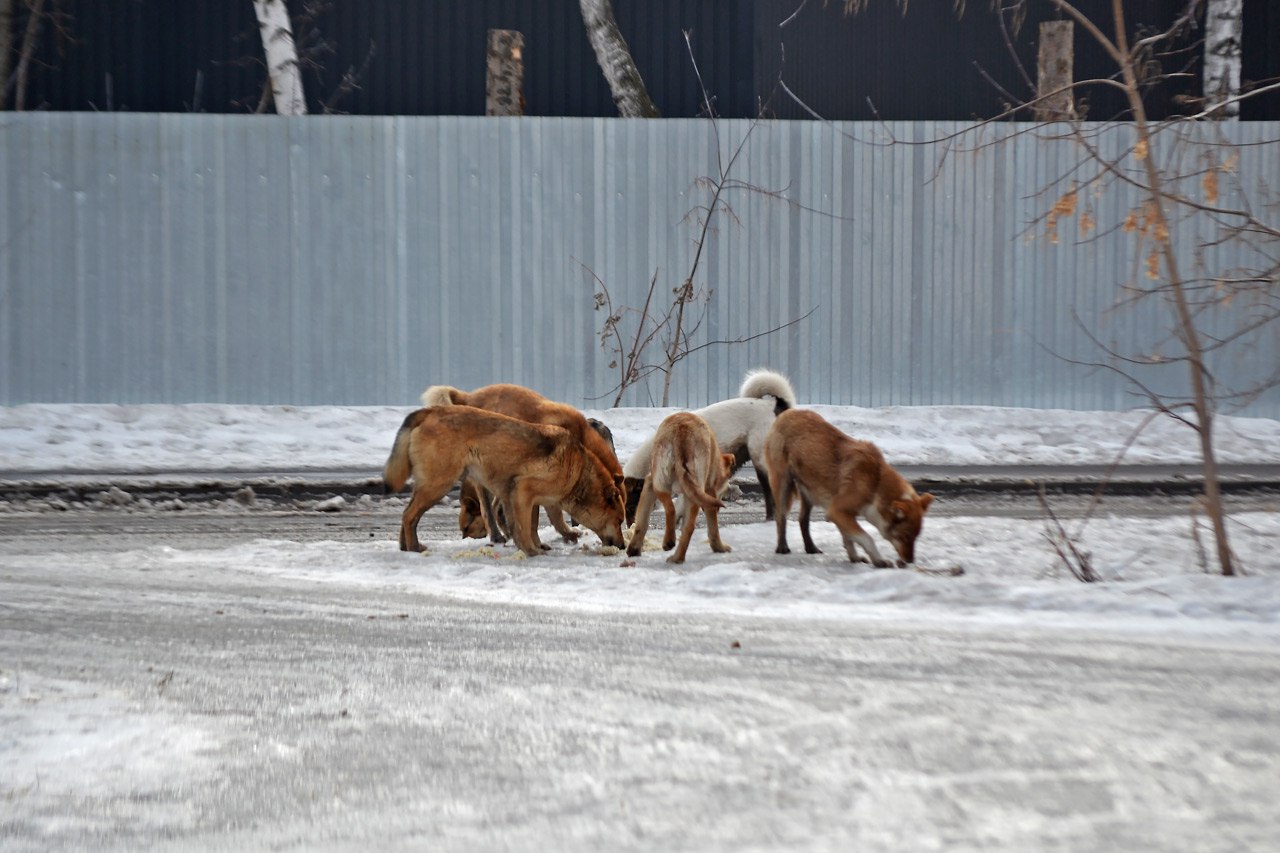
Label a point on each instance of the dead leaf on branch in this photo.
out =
(1063, 207)
(1162, 232)
(1066, 206)
(1211, 186)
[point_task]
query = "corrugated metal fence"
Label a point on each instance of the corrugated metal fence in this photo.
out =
(355, 260)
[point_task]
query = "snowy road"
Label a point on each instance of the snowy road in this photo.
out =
(188, 704)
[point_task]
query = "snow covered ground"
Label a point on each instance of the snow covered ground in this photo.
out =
(332, 692)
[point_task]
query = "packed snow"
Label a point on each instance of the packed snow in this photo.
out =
(1155, 572)
(198, 437)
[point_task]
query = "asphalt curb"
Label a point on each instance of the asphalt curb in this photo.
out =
(947, 481)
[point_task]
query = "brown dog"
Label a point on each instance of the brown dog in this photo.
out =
(524, 465)
(527, 405)
(685, 459)
(846, 478)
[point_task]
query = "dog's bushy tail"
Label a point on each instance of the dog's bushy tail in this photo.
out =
(398, 468)
(768, 383)
(694, 491)
(443, 395)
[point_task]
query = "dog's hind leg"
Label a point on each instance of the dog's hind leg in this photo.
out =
(423, 499)
(784, 489)
(713, 531)
(753, 450)
(686, 533)
(672, 518)
(763, 477)
(806, 509)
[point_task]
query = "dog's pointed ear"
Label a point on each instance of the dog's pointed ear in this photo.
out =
(729, 461)
(925, 500)
(620, 482)
(899, 510)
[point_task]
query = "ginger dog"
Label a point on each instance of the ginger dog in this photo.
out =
(527, 405)
(845, 477)
(522, 464)
(471, 512)
(687, 460)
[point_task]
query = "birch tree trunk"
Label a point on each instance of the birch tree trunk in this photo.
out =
(504, 74)
(282, 57)
(625, 82)
(1055, 71)
(1223, 28)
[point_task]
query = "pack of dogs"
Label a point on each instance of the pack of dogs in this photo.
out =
(513, 453)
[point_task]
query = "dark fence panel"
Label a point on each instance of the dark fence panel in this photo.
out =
(426, 57)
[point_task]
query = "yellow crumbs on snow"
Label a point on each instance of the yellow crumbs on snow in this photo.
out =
(489, 553)
(599, 550)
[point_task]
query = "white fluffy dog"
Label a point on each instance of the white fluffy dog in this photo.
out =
(740, 425)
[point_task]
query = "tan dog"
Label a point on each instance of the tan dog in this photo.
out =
(740, 425)
(524, 465)
(846, 478)
(527, 405)
(687, 460)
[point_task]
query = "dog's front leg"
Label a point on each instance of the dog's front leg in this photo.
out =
(634, 487)
(854, 534)
(644, 508)
(522, 514)
(566, 532)
(533, 527)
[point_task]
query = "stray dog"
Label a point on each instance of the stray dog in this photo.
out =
(522, 464)
(740, 425)
(846, 477)
(685, 458)
(471, 511)
(527, 405)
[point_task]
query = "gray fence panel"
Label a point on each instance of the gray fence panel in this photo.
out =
(350, 261)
